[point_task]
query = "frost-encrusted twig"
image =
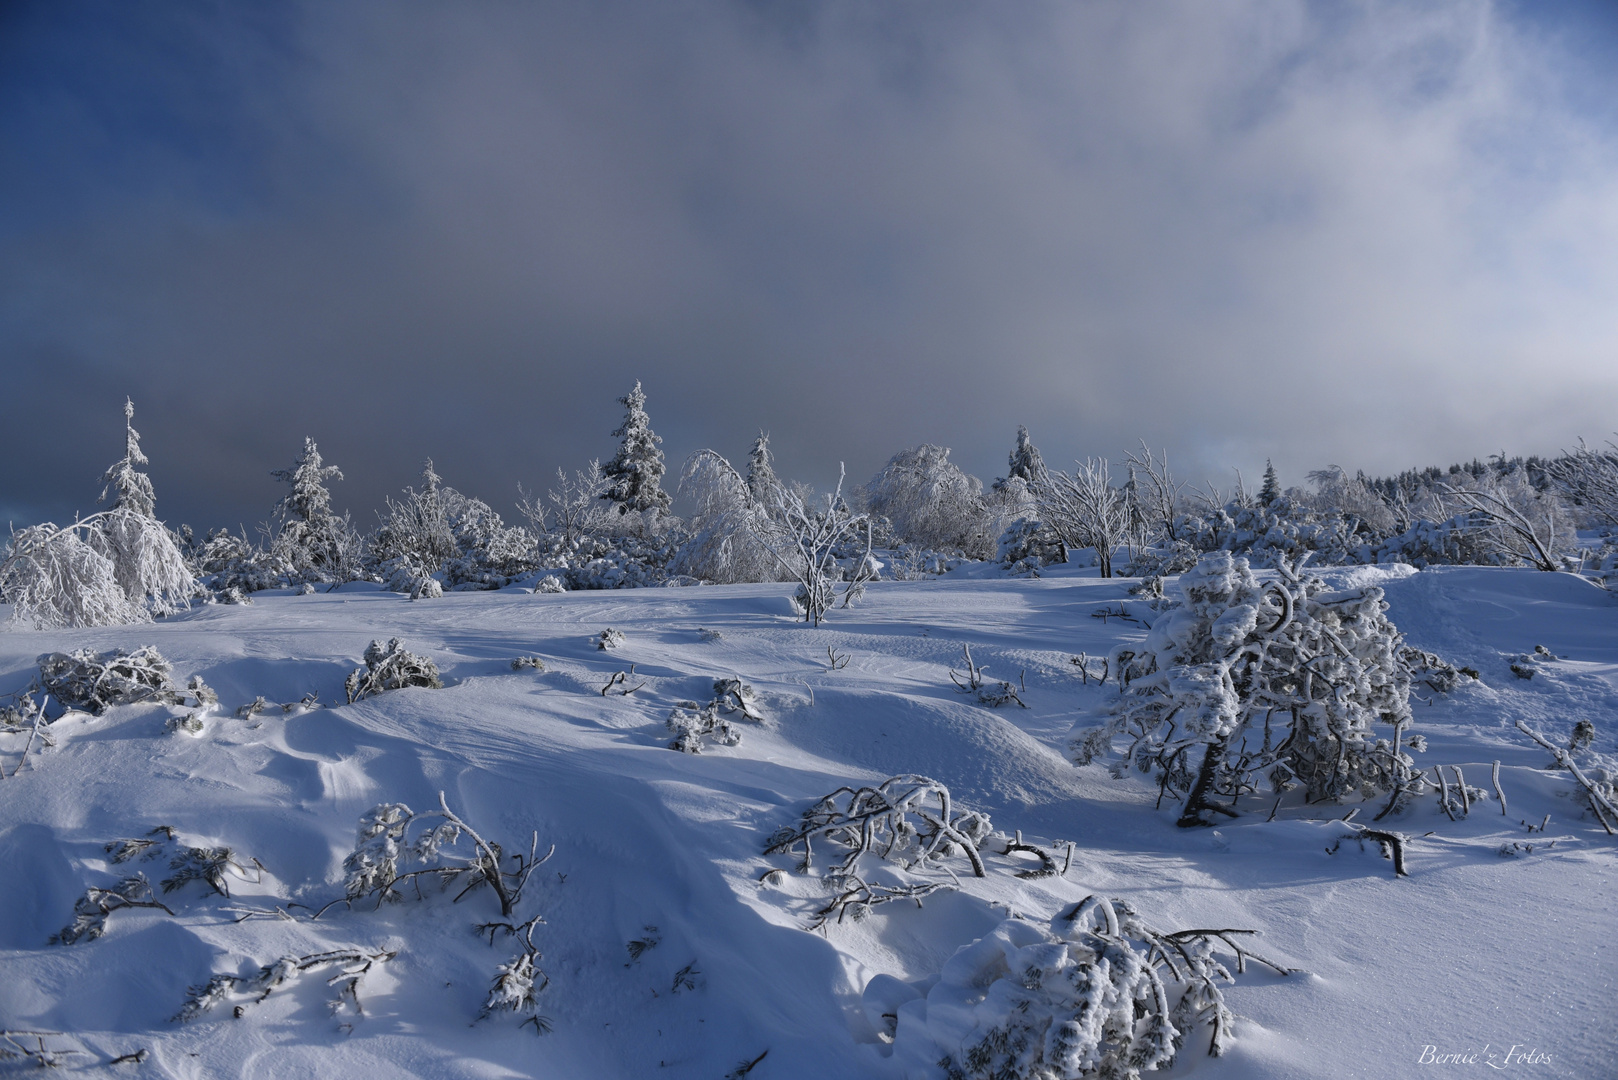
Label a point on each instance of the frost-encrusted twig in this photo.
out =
(384, 845)
(990, 693)
(640, 946)
(208, 864)
(390, 667)
(91, 911)
(621, 679)
(835, 661)
(856, 897)
(744, 1067)
(895, 820)
(1047, 864)
(15, 1047)
(356, 964)
(1599, 794)
(685, 978)
(1499, 792)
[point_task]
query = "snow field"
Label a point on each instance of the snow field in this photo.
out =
(1473, 950)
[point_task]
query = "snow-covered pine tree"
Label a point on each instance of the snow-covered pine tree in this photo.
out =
(762, 482)
(1025, 463)
(118, 566)
(636, 473)
(132, 488)
(312, 539)
(1271, 489)
(145, 556)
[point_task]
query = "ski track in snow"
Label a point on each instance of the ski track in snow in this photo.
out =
(1473, 949)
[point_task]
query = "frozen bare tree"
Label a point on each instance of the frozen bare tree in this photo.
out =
(576, 508)
(729, 519)
(1515, 520)
(1157, 493)
(804, 543)
(1085, 509)
(931, 502)
(1589, 478)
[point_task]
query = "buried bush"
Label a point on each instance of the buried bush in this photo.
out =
(1099, 993)
(390, 667)
(92, 681)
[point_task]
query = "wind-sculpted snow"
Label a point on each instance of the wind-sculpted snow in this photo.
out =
(673, 945)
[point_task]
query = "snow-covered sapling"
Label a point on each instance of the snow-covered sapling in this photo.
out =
(390, 667)
(992, 693)
(909, 820)
(1099, 993)
(514, 988)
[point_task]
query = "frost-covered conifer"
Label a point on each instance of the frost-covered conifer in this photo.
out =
(762, 482)
(118, 566)
(1270, 491)
(313, 540)
(1025, 463)
(133, 488)
(636, 473)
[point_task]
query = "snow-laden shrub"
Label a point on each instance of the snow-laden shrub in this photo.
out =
(1241, 677)
(390, 667)
(53, 578)
(1268, 534)
(1096, 993)
(731, 514)
(909, 820)
(809, 545)
(392, 837)
(550, 583)
(227, 562)
(405, 574)
(92, 681)
(354, 964)
(692, 723)
(1028, 544)
(932, 503)
(1457, 541)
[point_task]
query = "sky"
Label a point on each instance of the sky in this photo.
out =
(1379, 235)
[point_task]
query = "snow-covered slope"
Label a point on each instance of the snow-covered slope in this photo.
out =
(1474, 950)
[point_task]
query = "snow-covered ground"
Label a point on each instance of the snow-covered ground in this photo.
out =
(1475, 953)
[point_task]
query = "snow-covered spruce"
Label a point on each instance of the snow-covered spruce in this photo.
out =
(634, 476)
(390, 667)
(316, 544)
(1242, 678)
(909, 820)
(1099, 993)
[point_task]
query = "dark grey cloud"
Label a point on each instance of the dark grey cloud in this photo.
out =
(1375, 235)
